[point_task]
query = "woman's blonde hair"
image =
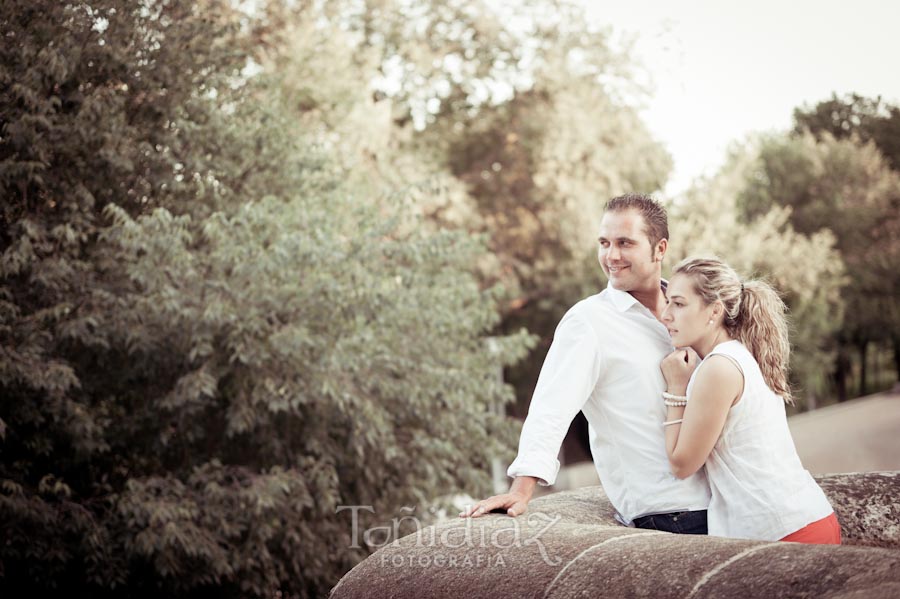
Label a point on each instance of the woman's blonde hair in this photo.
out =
(755, 315)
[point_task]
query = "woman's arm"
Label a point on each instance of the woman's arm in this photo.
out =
(717, 386)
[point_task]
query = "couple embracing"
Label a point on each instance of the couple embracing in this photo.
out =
(683, 384)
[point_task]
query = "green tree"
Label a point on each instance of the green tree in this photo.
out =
(328, 82)
(806, 268)
(212, 337)
(520, 123)
(869, 120)
(540, 165)
(846, 187)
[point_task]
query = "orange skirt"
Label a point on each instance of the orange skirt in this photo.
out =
(826, 531)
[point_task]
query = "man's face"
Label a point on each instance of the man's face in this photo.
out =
(625, 253)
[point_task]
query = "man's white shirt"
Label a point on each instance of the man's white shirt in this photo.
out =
(604, 361)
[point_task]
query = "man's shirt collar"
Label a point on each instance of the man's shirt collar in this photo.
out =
(623, 300)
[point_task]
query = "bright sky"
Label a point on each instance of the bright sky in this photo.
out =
(723, 69)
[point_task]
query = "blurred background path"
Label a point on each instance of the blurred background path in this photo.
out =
(859, 435)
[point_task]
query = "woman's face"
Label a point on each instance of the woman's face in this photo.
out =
(686, 315)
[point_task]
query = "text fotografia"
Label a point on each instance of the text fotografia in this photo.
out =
(495, 534)
(442, 560)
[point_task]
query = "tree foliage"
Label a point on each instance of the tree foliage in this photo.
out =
(869, 119)
(846, 187)
(514, 113)
(805, 267)
(211, 336)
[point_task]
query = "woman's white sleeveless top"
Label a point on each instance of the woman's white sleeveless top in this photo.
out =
(760, 490)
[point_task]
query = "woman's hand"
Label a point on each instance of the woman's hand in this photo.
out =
(677, 368)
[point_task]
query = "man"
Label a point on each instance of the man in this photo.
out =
(605, 361)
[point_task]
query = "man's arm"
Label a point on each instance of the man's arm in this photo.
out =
(567, 380)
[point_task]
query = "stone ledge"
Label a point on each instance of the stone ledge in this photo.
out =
(569, 544)
(867, 505)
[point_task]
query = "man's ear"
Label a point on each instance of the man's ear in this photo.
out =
(660, 251)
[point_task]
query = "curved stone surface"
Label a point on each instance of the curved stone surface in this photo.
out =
(867, 505)
(569, 545)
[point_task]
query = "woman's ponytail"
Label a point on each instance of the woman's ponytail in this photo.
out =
(761, 325)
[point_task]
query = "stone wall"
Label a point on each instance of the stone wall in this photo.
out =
(569, 544)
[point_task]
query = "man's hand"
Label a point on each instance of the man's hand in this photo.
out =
(514, 503)
(677, 368)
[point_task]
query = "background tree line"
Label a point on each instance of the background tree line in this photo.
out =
(258, 264)
(833, 180)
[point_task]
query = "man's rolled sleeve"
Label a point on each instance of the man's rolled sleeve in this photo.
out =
(567, 379)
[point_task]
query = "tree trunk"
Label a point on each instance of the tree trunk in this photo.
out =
(812, 402)
(841, 367)
(863, 352)
(897, 357)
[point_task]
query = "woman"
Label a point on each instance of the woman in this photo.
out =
(728, 410)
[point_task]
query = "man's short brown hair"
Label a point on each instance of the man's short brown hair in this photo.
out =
(652, 211)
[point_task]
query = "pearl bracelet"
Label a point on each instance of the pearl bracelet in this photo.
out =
(675, 404)
(674, 401)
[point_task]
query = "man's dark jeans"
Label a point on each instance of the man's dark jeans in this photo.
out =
(686, 523)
